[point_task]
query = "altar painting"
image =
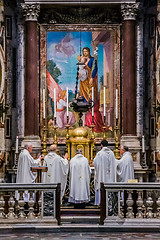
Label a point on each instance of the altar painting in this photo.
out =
(64, 50)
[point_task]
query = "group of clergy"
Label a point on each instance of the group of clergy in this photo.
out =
(107, 169)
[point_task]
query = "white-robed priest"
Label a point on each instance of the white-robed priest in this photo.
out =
(24, 173)
(105, 169)
(125, 167)
(79, 179)
(57, 168)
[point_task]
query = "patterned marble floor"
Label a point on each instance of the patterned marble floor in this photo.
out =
(82, 236)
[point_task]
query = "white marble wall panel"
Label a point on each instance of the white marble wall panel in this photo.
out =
(140, 84)
(21, 85)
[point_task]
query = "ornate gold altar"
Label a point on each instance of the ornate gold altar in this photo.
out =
(81, 139)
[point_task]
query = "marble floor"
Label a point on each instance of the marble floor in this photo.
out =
(81, 236)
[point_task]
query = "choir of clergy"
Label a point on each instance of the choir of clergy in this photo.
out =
(107, 169)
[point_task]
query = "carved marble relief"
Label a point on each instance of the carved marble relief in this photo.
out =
(80, 15)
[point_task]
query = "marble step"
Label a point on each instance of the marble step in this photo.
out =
(87, 220)
(80, 212)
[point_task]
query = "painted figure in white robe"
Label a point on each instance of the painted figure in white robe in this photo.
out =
(61, 111)
(79, 179)
(24, 173)
(125, 167)
(105, 169)
(57, 168)
(82, 73)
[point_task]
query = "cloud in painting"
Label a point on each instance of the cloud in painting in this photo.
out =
(65, 46)
(59, 60)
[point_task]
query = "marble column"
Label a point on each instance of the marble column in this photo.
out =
(129, 83)
(31, 80)
(31, 129)
(129, 70)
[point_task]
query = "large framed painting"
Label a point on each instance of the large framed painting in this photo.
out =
(96, 78)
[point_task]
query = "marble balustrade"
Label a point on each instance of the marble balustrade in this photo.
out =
(43, 203)
(128, 203)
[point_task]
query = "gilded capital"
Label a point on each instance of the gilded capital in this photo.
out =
(30, 11)
(129, 11)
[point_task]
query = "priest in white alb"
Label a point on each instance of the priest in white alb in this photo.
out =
(105, 169)
(24, 173)
(79, 179)
(57, 168)
(125, 167)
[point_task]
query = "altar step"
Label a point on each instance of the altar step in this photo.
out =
(85, 220)
(87, 211)
(87, 215)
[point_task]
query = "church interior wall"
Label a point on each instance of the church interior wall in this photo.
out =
(149, 80)
(13, 94)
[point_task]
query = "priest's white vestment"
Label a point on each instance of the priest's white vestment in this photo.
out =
(57, 170)
(105, 170)
(125, 168)
(25, 162)
(24, 173)
(79, 183)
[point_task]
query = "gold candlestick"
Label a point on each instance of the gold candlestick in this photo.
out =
(44, 150)
(15, 160)
(92, 135)
(67, 120)
(143, 160)
(104, 127)
(92, 142)
(55, 132)
(92, 120)
(67, 140)
(117, 144)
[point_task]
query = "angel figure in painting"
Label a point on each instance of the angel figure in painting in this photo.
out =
(65, 47)
(61, 113)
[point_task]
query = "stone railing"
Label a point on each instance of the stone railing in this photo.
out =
(127, 204)
(43, 203)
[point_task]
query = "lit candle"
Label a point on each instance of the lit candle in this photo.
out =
(116, 103)
(143, 145)
(17, 144)
(44, 113)
(92, 101)
(55, 102)
(67, 101)
(104, 102)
